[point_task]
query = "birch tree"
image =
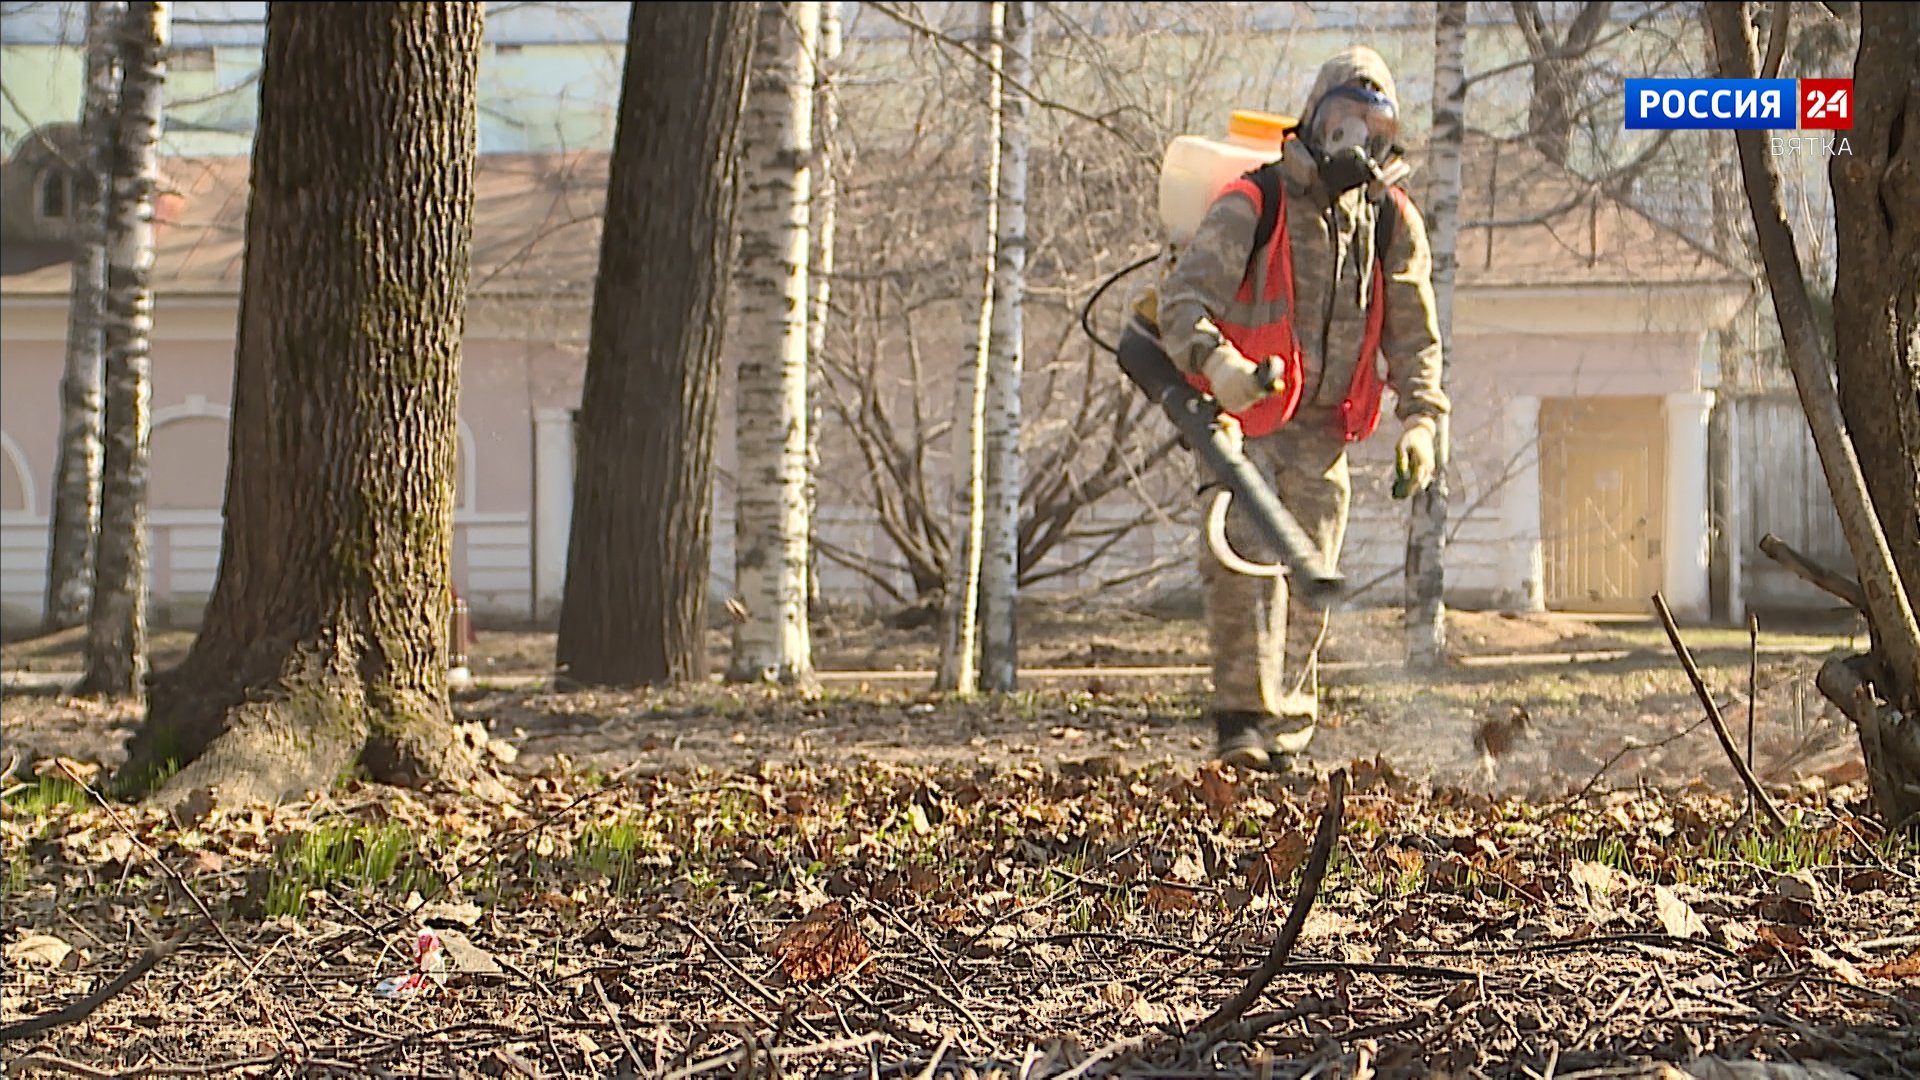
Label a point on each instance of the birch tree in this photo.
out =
(117, 617)
(325, 640)
(76, 485)
(958, 669)
(1000, 545)
(1427, 524)
(770, 395)
(822, 220)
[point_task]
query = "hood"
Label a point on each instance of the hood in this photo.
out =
(1358, 63)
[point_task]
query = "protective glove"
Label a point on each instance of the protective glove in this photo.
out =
(1234, 379)
(1413, 456)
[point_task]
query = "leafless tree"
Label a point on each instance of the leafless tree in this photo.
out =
(76, 491)
(1861, 407)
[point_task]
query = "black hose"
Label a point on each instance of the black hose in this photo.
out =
(1086, 313)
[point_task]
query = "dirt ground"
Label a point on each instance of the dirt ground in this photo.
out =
(868, 881)
(1047, 639)
(1590, 692)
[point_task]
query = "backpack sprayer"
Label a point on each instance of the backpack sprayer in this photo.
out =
(1193, 172)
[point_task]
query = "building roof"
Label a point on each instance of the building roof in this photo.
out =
(537, 228)
(200, 24)
(1527, 222)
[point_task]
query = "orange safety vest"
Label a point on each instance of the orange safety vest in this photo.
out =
(1360, 412)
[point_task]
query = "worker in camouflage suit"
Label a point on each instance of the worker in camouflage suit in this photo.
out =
(1360, 292)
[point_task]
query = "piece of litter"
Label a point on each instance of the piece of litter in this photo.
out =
(430, 956)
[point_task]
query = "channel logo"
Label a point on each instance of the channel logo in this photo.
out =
(1739, 104)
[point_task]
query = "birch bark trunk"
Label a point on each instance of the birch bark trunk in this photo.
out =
(1427, 525)
(1000, 551)
(958, 664)
(117, 617)
(76, 490)
(770, 397)
(826, 109)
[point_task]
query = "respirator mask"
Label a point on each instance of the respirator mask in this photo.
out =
(1351, 134)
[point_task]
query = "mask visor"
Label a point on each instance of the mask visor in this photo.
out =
(1351, 116)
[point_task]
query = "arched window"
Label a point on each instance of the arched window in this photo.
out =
(466, 482)
(56, 193)
(16, 480)
(187, 457)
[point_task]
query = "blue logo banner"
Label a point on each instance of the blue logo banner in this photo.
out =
(1711, 104)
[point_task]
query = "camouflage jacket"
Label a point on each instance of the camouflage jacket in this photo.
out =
(1332, 270)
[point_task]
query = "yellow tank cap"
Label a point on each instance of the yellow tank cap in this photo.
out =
(1259, 126)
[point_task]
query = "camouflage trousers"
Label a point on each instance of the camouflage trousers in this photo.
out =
(1265, 645)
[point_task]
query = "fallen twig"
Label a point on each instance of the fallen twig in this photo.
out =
(19, 1067)
(1112, 1049)
(933, 1065)
(206, 913)
(1325, 839)
(84, 1008)
(1719, 722)
(613, 1017)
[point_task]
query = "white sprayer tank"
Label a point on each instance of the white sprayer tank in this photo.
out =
(1196, 169)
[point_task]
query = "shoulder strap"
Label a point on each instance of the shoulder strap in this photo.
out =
(1267, 179)
(1385, 221)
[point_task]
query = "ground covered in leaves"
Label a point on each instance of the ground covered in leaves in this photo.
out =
(1543, 873)
(955, 921)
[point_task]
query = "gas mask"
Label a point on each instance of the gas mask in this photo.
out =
(1351, 134)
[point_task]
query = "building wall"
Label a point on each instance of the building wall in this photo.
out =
(522, 379)
(192, 379)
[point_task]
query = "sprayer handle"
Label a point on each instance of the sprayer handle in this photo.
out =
(1271, 376)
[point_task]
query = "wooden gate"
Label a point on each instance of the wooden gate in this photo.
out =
(1602, 493)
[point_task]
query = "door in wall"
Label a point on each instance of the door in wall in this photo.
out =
(1602, 491)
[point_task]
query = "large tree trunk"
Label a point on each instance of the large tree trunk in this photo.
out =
(117, 617)
(1427, 520)
(1557, 68)
(1876, 294)
(1876, 338)
(958, 664)
(634, 609)
(76, 484)
(325, 640)
(1877, 356)
(770, 391)
(1000, 550)
(824, 221)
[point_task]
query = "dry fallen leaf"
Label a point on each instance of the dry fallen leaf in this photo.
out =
(44, 950)
(1216, 790)
(1908, 968)
(1594, 884)
(1165, 898)
(1836, 967)
(1801, 886)
(467, 957)
(1783, 939)
(1276, 864)
(826, 944)
(1676, 916)
(1187, 870)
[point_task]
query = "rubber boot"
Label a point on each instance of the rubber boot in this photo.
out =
(1239, 740)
